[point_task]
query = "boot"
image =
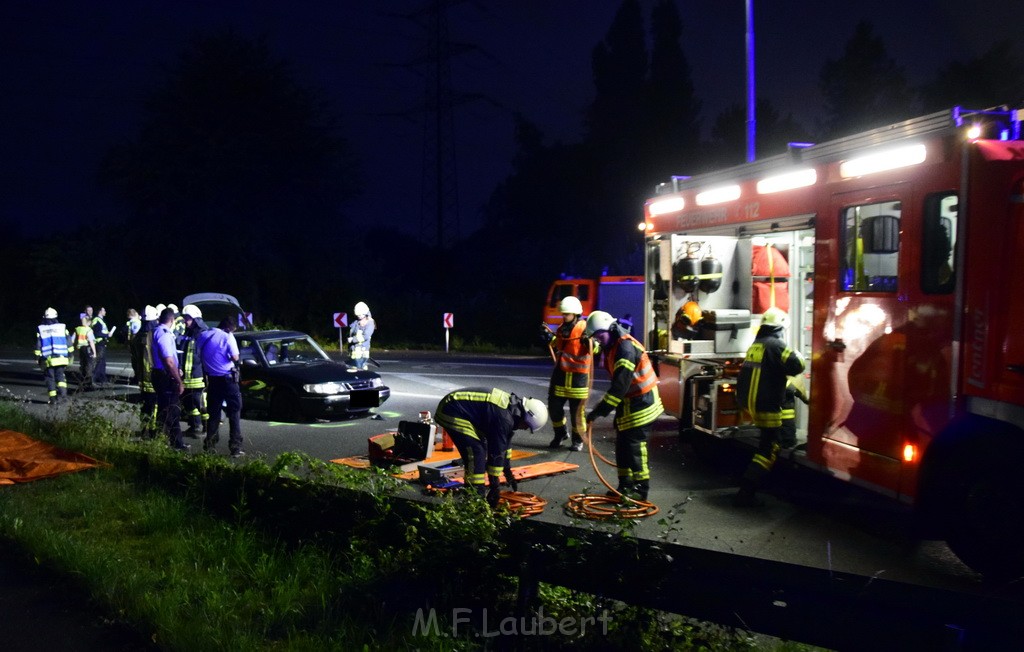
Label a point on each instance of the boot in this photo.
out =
(625, 488)
(560, 436)
(577, 443)
(746, 496)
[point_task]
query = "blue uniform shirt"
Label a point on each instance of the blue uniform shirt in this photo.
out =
(218, 350)
(163, 346)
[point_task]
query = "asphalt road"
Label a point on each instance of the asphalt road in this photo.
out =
(807, 519)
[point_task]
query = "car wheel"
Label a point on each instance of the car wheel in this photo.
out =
(284, 406)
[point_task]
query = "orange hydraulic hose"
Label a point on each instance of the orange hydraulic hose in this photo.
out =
(522, 503)
(604, 506)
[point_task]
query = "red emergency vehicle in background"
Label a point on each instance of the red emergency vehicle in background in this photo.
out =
(900, 248)
(621, 296)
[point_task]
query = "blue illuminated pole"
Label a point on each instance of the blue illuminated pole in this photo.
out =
(751, 118)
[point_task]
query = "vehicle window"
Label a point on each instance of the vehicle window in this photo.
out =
(246, 352)
(938, 244)
(300, 351)
(870, 247)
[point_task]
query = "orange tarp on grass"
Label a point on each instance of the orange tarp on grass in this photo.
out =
(23, 459)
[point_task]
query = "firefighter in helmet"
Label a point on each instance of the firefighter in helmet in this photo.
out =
(570, 379)
(633, 396)
(761, 391)
(193, 400)
(52, 345)
(359, 335)
(481, 423)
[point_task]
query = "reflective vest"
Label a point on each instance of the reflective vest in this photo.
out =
(102, 334)
(571, 377)
(82, 337)
(52, 344)
(640, 403)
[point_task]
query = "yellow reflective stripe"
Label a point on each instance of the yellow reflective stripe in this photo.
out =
(612, 400)
(622, 362)
(456, 424)
(644, 473)
(494, 470)
(788, 414)
(641, 417)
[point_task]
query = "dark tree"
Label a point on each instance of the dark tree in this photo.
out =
(864, 88)
(243, 171)
(774, 132)
(994, 78)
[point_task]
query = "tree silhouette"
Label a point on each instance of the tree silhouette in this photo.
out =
(994, 78)
(237, 165)
(864, 88)
(774, 132)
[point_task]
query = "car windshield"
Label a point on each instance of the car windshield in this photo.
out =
(290, 350)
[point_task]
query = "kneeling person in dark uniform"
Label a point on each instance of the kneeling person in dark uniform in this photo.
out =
(481, 423)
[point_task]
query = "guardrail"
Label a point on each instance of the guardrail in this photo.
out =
(788, 601)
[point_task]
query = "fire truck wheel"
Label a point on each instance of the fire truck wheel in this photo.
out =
(987, 529)
(284, 406)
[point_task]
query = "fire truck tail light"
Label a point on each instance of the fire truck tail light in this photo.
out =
(909, 453)
(718, 195)
(667, 205)
(787, 181)
(890, 159)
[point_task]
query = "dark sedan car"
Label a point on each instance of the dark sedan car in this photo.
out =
(287, 375)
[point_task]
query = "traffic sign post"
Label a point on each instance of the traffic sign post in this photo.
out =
(341, 321)
(448, 319)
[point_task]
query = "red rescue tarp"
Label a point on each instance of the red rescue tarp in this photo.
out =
(771, 272)
(23, 459)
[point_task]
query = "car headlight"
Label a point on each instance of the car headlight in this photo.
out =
(325, 388)
(377, 382)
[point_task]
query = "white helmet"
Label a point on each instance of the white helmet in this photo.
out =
(535, 413)
(50, 313)
(775, 317)
(598, 320)
(571, 304)
(159, 309)
(192, 310)
(149, 313)
(173, 307)
(361, 309)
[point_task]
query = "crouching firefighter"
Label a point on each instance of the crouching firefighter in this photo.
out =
(761, 391)
(481, 423)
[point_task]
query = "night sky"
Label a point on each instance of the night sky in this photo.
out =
(74, 76)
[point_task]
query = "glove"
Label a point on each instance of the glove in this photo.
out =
(592, 417)
(511, 479)
(493, 491)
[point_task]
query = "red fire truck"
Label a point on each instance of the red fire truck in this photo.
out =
(892, 252)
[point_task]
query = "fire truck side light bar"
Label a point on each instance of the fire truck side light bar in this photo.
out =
(890, 159)
(667, 205)
(718, 195)
(787, 181)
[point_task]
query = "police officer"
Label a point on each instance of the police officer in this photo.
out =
(194, 399)
(102, 335)
(359, 335)
(481, 422)
(570, 379)
(167, 380)
(85, 347)
(761, 391)
(52, 344)
(219, 353)
(633, 395)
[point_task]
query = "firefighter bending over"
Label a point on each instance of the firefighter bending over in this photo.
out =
(633, 395)
(481, 422)
(761, 390)
(570, 379)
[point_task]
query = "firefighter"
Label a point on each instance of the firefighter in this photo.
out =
(794, 390)
(570, 379)
(761, 391)
(359, 335)
(142, 365)
(85, 347)
(52, 344)
(481, 423)
(102, 335)
(194, 399)
(178, 328)
(633, 395)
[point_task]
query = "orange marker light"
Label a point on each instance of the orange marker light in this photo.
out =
(909, 453)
